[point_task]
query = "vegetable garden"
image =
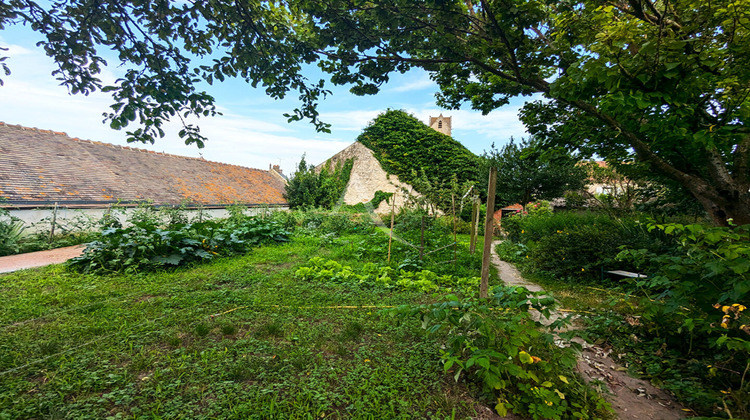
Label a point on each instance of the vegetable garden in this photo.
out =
(302, 314)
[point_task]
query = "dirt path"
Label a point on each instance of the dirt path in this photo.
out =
(631, 398)
(39, 259)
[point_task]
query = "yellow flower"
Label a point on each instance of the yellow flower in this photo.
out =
(739, 307)
(522, 231)
(548, 402)
(367, 360)
(583, 269)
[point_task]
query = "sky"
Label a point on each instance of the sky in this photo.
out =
(252, 131)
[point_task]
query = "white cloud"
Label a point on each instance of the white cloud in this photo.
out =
(14, 50)
(350, 120)
(421, 83)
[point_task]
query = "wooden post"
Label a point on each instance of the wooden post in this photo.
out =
(421, 246)
(476, 222)
(390, 235)
(474, 226)
(488, 228)
(54, 221)
(455, 240)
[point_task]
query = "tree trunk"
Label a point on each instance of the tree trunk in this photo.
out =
(723, 204)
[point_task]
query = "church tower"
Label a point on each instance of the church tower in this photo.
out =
(441, 124)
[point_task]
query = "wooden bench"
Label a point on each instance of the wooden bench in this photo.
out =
(623, 273)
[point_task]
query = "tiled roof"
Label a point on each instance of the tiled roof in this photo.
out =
(46, 166)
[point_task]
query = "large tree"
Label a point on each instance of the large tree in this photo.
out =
(664, 81)
(526, 173)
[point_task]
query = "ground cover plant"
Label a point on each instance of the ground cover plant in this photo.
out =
(241, 337)
(683, 326)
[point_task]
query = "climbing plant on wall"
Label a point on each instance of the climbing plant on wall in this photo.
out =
(414, 152)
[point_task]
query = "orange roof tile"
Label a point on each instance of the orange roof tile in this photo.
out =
(48, 166)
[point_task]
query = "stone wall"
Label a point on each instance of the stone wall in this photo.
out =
(367, 177)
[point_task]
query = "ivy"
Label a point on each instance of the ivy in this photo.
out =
(411, 150)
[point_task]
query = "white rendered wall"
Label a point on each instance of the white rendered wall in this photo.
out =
(37, 220)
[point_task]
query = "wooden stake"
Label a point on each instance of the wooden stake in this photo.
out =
(488, 228)
(390, 236)
(455, 240)
(474, 226)
(421, 246)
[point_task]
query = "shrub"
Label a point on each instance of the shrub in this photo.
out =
(579, 245)
(11, 229)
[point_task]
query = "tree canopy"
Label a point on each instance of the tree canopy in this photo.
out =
(311, 188)
(526, 174)
(664, 82)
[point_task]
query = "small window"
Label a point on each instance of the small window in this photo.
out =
(440, 124)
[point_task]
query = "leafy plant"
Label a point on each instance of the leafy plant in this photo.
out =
(11, 229)
(146, 246)
(526, 172)
(319, 269)
(498, 343)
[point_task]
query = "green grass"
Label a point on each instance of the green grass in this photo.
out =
(147, 345)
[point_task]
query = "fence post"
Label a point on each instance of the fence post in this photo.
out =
(488, 229)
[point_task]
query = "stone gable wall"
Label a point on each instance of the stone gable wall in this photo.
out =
(367, 177)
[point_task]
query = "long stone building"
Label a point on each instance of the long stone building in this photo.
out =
(44, 169)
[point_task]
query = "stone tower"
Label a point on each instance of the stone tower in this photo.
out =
(441, 124)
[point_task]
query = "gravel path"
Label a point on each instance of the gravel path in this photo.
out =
(631, 398)
(39, 259)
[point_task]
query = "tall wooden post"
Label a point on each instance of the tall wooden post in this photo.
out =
(488, 228)
(474, 226)
(390, 235)
(479, 217)
(455, 239)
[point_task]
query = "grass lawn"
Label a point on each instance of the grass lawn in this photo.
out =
(146, 345)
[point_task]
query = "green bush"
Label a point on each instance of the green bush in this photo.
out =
(580, 245)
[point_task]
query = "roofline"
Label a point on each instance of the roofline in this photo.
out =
(85, 204)
(99, 143)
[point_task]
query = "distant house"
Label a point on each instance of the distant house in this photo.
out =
(42, 169)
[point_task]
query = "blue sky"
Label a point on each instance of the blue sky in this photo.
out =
(253, 131)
